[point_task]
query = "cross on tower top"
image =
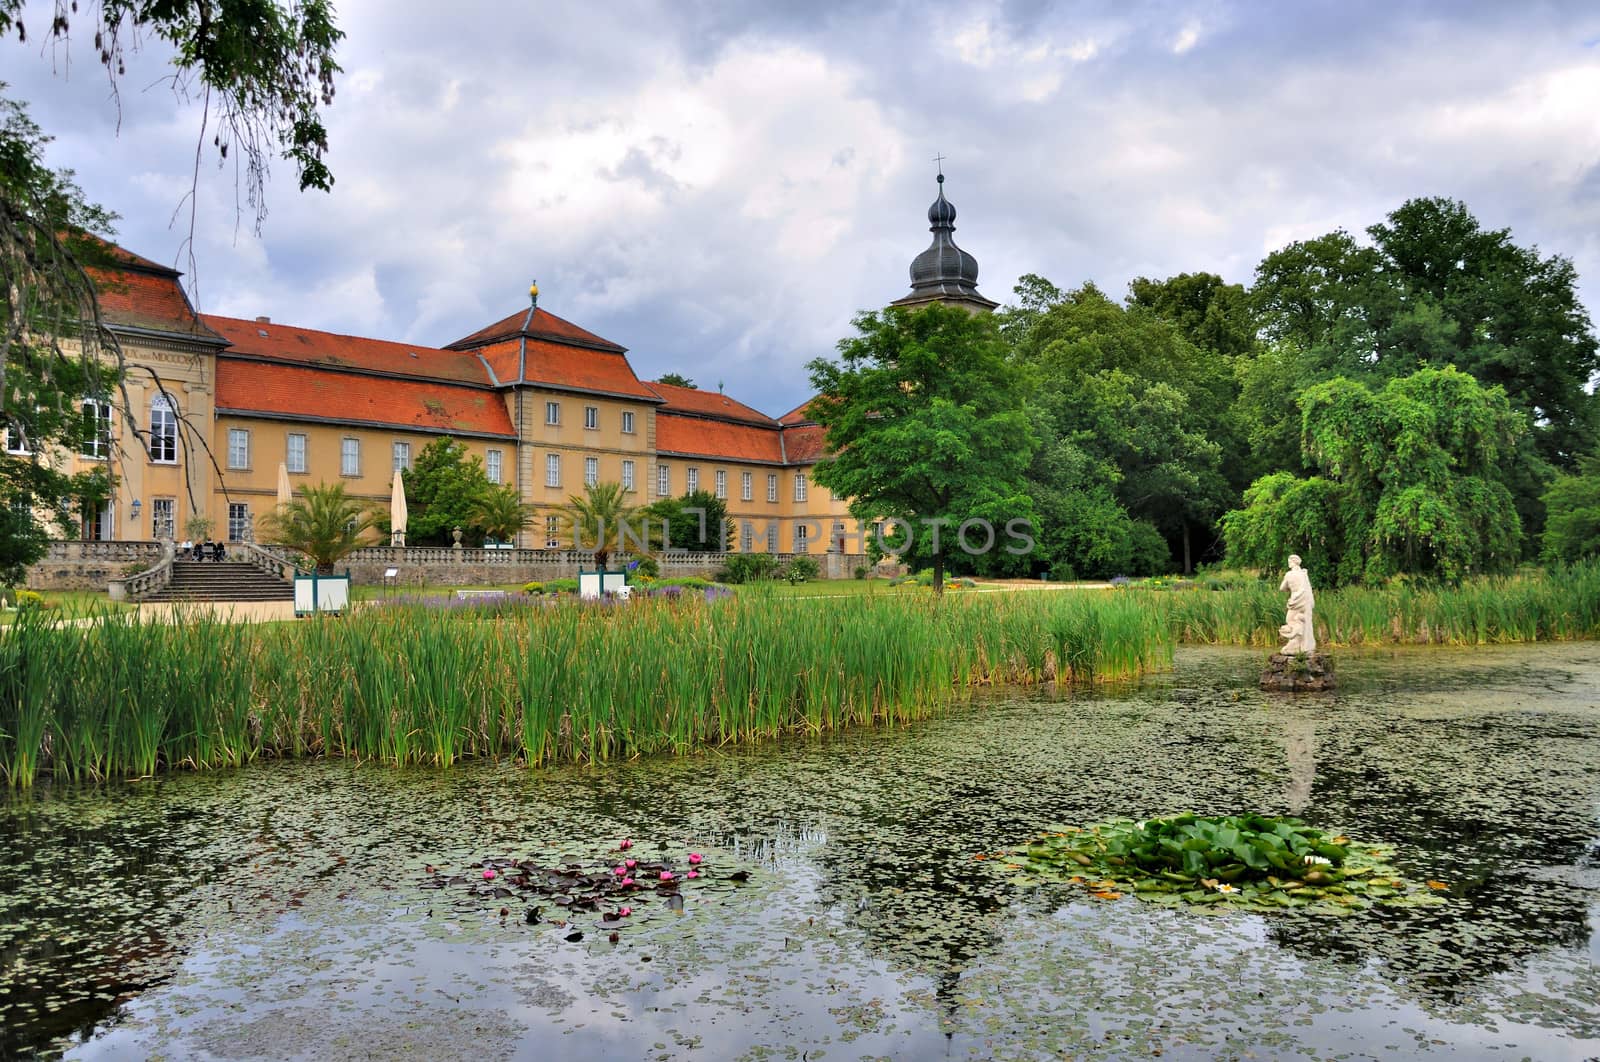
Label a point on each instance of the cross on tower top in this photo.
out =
(939, 161)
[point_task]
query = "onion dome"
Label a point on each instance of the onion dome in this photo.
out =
(944, 272)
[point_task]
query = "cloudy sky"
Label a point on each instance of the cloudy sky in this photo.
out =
(720, 186)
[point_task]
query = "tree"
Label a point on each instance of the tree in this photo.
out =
(926, 423)
(444, 490)
(263, 69)
(675, 379)
(1572, 527)
(696, 521)
(500, 514)
(1411, 480)
(323, 522)
(603, 520)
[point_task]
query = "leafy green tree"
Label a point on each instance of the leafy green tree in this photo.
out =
(1212, 314)
(697, 521)
(1572, 528)
(500, 514)
(445, 489)
(602, 520)
(926, 421)
(323, 522)
(1411, 479)
(677, 379)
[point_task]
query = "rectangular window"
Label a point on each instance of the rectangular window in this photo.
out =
(238, 521)
(552, 532)
(746, 487)
(492, 460)
(663, 481)
(591, 471)
(349, 456)
(591, 417)
(838, 537)
(722, 483)
(627, 475)
(402, 457)
(238, 448)
(16, 441)
(800, 542)
(691, 480)
(162, 524)
(552, 470)
(772, 487)
(552, 412)
(772, 537)
(799, 486)
(163, 430)
(96, 428)
(627, 422)
(297, 452)
(747, 537)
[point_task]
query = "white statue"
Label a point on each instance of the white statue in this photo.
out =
(1297, 629)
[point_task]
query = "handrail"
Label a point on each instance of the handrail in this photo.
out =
(270, 561)
(146, 582)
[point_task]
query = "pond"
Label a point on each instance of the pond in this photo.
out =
(277, 911)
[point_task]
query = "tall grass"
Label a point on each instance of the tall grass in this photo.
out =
(563, 683)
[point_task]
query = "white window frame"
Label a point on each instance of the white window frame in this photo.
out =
(493, 465)
(799, 486)
(663, 481)
(627, 475)
(802, 543)
(98, 445)
(721, 481)
(238, 448)
(772, 487)
(691, 480)
(163, 527)
(627, 422)
(552, 470)
(591, 418)
(746, 486)
(238, 521)
(772, 537)
(349, 456)
(552, 413)
(591, 471)
(552, 532)
(289, 455)
(400, 451)
(19, 449)
(163, 429)
(747, 537)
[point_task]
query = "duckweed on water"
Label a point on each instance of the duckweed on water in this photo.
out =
(1231, 861)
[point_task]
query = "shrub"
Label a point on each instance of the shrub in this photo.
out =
(31, 599)
(925, 577)
(687, 582)
(861, 571)
(803, 570)
(561, 586)
(533, 588)
(747, 568)
(646, 568)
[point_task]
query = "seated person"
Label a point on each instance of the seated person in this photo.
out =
(219, 552)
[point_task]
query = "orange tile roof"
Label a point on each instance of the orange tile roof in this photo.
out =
(308, 346)
(700, 437)
(582, 369)
(146, 296)
(706, 403)
(248, 385)
(545, 325)
(804, 443)
(800, 414)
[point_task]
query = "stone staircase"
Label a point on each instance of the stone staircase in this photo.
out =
(227, 580)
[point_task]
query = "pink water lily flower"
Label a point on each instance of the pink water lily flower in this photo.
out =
(692, 874)
(620, 871)
(626, 882)
(488, 875)
(624, 912)
(626, 844)
(666, 875)
(630, 863)
(695, 858)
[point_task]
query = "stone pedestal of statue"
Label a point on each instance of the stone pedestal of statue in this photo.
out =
(1298, 673)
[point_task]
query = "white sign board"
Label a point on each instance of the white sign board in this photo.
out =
(332, 594)
(592, 584)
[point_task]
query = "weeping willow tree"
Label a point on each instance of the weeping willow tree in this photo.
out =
(1408, 479)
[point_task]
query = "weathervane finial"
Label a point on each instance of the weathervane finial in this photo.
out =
(938, 160)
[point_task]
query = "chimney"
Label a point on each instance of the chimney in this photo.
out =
(263, 320)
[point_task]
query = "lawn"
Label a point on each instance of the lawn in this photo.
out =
(69, 603)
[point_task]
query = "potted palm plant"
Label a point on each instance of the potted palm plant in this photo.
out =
(326, 525)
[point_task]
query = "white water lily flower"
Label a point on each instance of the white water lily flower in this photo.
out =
(1316, 860)
(1226, 889)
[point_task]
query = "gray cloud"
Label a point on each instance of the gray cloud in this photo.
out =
(720, 187)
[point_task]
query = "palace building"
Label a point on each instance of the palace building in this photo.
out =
(547, 405)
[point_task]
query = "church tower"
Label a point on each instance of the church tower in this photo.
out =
(944, 272)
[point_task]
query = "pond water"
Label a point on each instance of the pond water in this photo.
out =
(277, 911)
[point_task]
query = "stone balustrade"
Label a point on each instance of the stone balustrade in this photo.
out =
(146, 582)
(91, 565)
